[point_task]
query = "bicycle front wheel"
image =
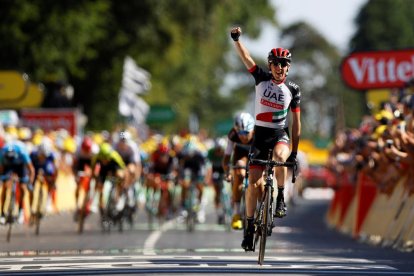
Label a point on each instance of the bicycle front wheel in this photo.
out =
(266, 218)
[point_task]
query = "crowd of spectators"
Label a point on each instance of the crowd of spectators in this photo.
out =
(382, 146)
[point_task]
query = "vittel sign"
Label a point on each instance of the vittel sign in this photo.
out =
(379, 69)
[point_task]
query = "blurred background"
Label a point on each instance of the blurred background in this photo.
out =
(167, 71)
(72, 55)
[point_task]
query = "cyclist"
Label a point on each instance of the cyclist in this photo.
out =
(275, 95)
(240, 138)
(129, 152)
(82, 165)
(215, 156)
(162, 166)
(192, 164)
(14, 158)
(110, 163)
(44, 163)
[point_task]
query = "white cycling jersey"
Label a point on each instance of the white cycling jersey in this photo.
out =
(273, 100)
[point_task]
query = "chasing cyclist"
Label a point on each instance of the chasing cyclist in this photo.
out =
(192, 165)
(275, 96)
(216, 175)
(240, 138)
(82, 167)
(15, 159)
(44, 162)
(129, 152)
(109, 163)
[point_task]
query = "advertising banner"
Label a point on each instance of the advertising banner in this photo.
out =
(378, 69)
(51, 119)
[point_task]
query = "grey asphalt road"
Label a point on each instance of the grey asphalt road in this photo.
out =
(301, 244)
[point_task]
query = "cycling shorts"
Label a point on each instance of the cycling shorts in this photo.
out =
(267, 138)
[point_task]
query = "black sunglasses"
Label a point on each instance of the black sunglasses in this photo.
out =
(283, 62)
(243, 132)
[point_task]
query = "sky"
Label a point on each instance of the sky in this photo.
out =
(332, 18)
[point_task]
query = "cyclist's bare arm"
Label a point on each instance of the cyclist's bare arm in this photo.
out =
(31, 171)
(296, 130)
(242, 51)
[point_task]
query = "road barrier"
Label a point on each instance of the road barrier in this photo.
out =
(379, 216)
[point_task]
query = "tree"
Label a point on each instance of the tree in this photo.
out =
(315, 67)
(384, 25)
(182, 43)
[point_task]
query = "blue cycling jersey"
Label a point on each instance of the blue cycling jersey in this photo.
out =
(18, 163)
(21, 155)
(47, 164)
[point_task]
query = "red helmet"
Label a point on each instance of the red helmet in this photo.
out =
(163, 148)
(279, 53)
(87, 144)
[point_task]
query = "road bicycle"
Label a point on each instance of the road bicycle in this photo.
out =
(191, 202)
(114, 199)
(11, 206)
(85, 197)
(225, 199)
(40, 195)
(159, 201)
(264, 218)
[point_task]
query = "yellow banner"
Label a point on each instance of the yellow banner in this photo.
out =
(13, 85)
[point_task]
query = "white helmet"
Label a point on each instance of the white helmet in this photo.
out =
(244, 121)
(124, 136)
(45, 147)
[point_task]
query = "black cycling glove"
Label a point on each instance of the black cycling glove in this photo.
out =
(235, 36)
(292, 157)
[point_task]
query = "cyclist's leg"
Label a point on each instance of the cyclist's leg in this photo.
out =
(253, 194)
(132, 179)
(3, 190)
(99, 190)
(185, 182)
(26, 190)
(218, 205)
(280, 153)
(238, 178)
(201, 216)
(52, 192)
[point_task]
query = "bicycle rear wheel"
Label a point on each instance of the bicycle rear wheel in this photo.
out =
(266, 218)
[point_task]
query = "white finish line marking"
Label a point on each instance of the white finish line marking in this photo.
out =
(152, 239)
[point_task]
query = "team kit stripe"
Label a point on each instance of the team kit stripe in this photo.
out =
(273, 117)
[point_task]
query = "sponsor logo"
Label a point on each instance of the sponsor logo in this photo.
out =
(379, 69)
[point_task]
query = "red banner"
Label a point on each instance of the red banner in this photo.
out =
(379, 69)
(51, 119)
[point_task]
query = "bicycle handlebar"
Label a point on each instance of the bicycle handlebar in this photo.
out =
(274, 163)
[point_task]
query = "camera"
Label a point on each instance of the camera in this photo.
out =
(389, 143)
